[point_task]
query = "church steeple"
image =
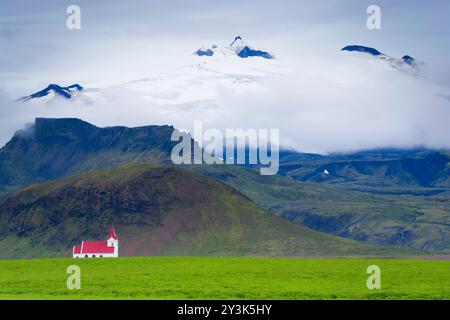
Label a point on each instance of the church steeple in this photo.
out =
(112, 233)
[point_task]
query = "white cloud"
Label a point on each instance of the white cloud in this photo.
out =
(329, 102)
(345, 103)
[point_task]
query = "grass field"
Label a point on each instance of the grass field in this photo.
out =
(224, 278)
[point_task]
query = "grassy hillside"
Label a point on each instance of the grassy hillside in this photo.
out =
(223, 278)
(157, 210)
(409, 216)
(383, 168)
(391, 197)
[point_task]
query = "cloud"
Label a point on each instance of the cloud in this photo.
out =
(340, 104)
(345, 104)
(329, 101)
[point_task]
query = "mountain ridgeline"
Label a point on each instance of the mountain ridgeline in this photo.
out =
(55, 148)
(419, 168)
(65, 92)
(377, 197)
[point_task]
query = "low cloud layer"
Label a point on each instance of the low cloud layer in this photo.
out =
(342, 104)
(327, 102)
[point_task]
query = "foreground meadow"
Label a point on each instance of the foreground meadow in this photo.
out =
(224, 278)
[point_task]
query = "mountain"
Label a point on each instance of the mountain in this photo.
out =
(157, 210)
(198, 83)
(246, 52)
(382, 168)
(204, 52)
(237, 47)
(364, 49)
(393, 197)
(195, 82)
(410, 216)
(409, 60)
(200, 79)
(54, 148)
(406, 64)
(56, 90)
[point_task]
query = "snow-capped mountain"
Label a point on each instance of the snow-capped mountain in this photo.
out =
(54, 93)
(236, 67)
(406, 64)
(56, 90)
(238, 47)
(232, 68)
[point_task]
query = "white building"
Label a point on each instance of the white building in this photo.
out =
(98, 249)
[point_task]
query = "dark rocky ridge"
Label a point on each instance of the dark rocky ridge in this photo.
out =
(55, 148)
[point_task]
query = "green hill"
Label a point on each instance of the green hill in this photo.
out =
(411, 217)
(389, 197)
(157, 210)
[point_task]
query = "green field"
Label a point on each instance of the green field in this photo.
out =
(224, 278)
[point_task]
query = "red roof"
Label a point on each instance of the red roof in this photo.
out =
(96, 247)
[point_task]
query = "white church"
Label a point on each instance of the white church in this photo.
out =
(98, 249)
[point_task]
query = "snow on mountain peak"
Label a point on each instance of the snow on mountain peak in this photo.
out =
(195, 83)
(238, 47)
(204, 52)
(54, 92)
(238, 38)
(406, 64)
(66, 92)
(408, 59)
(364, 49)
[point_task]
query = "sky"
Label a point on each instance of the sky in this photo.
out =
(326, 104)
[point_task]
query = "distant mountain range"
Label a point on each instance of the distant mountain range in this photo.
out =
(56, 90)
(406, 63)
(389, 197)
(375, 210)
(238, 47)
(55, 148)
(419, 168)
(195, 85)
(209, 70)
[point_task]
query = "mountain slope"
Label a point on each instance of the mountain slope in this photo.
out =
(422, 168)
(389, 197)
(406, 64)
(237, 47)
(192, 81)
(56, 90)
(156, 210)
(54, 148)
(409, 216)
